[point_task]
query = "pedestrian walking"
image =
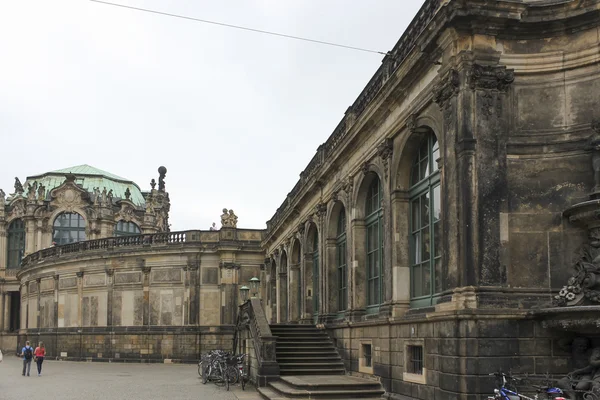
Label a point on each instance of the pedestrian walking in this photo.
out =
(40, 353)
(27, 353)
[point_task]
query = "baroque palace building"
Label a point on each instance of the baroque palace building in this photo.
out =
(446, 229)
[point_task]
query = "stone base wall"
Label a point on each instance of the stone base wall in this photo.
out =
(131, 344)
(459, 353)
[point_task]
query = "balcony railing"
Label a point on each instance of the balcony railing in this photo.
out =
(167, 238)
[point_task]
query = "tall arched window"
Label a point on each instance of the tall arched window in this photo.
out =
(16, 243)
(125, 228)
(315, 276)
(68, 228)
(342, 268)
(425, 229)
(374, 219)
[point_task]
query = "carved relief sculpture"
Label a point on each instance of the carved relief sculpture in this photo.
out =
(595, 146)
(446, 88)
(586, 376)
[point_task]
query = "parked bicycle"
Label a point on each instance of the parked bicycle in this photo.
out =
(504, 393)
(223, 369)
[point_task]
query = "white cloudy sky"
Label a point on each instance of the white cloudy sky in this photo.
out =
(235, 116)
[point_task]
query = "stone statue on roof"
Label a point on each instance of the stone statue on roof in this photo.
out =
(2, 197)
(41, 192)
(18, 186)
(229, 219)
(127, 194)
(162, 171)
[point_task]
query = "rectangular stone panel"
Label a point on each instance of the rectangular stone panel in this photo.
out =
(33, 287)
(47, 312)
(47, 284)
(94, 280)
(66, 283)
(167, 275)
(123, 278)
(210, 276)
(531, 117)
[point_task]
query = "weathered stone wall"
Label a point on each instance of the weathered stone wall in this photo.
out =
(459, 353)
(131, 344)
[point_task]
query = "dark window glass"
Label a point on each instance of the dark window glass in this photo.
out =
(16, 243)
(415, 360)
(125, 228)
(68, 228)
(374, 243)
(425, 219)
(342, 267)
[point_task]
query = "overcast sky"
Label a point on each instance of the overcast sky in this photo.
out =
(235, 116)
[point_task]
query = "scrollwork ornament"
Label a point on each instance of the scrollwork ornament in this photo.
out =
(490, 77)
(447, 88)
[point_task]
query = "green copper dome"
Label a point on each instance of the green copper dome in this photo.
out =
(89, 177)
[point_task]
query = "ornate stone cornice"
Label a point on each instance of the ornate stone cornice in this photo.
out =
(446, 88)
(490, 77)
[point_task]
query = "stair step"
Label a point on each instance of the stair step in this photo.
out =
(313, 371)
(282, 388)
(315, 357)
(344, 382)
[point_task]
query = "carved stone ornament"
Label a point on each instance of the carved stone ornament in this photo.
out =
(162, 171)
(301, 229)
(411, 122)
(366, 168)
(68, 198)
(321, 210)
(490, 77)
(446, 88)
(384, 150)
(583, 288)
(18, 210)
(2, 197)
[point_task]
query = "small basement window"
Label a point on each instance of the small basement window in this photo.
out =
(415, 360)
(367, 355)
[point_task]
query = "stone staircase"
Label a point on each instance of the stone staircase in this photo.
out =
(311, 368)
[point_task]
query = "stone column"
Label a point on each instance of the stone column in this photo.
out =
(80, 296)
(25, 306)
(110, 281)
(401, 260)
(30, 234)
(38, 242)
(331, 306)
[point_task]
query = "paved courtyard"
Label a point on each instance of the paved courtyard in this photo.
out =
(66, 380)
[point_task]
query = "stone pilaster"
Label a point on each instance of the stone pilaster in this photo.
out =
(186, 295)
(194, 292)
(37, 307)
(2, 311)
(146, 287)
(80, 297)
(110, 282)
(56, 282)
(3, 246)
(6, 315)
(30, 234)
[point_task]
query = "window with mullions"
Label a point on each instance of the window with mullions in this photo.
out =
(68, 228)
(425, 227)
(342, 268)
(125, 228)
(16, 243)
(374, 224)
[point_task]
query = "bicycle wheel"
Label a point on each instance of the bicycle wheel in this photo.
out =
(232, 374)
(243, 379)
(205, 373)
(221, 379)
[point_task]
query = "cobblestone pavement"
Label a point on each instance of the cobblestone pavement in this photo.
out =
(66, 380)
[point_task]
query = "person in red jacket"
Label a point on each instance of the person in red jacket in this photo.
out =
(40, 353)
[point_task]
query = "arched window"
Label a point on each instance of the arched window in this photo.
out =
(16, 243)
(342, 268)
(124, 228)
(425, 227)
(374, 225)
(68, 228)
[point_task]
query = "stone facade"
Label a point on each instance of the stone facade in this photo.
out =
(136, 290)
(482, 115)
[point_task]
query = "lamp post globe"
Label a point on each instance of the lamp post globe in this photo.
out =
(254, 284)
(244, 293)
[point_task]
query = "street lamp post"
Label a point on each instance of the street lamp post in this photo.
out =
(244, 293)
